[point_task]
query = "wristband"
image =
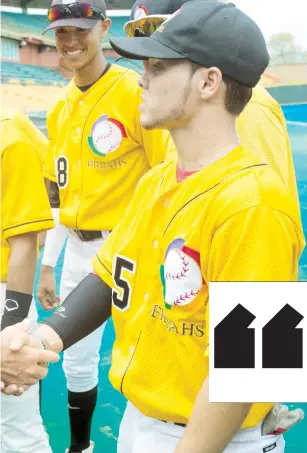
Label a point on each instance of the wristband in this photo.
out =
(16, 309)
(45, 345)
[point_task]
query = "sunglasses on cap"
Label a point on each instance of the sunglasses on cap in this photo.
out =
(144, 27)
(74, 11)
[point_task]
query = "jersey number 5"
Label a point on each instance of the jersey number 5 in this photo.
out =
(121, 299)
(62, 171)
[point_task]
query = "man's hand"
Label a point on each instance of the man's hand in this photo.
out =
(22, 359)
(18, 331)
(46, 289)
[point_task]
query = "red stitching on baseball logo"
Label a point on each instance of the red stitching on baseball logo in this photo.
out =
(107, 134)
(115, 146)
(185, 297)
(183, 272)
(106, 137)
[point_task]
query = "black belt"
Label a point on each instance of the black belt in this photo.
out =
(87, 236)
(178, 424)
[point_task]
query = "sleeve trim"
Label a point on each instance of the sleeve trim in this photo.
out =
(48, 172)
(103, 264)
(28, 223)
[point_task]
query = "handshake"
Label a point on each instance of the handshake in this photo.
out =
(24, 360)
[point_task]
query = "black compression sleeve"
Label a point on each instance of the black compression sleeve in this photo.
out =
(87, 307)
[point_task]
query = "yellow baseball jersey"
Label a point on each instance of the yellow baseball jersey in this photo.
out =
(98, 151)
(262, 129)
(24, 199)
(226, 222)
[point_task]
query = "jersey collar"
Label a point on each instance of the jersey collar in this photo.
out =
(208, 177)
(74, 94)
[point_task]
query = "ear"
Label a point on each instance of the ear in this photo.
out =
(105, 27)
(211, 82)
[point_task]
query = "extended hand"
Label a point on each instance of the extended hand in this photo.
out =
(22, 359)
(18, 331)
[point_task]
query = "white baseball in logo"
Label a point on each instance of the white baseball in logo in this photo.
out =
(139, 13)
(107, 136)
(183, 278)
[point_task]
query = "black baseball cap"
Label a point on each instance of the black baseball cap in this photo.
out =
(208, 33)
(79, 22)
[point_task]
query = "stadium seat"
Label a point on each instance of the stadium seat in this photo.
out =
(30, 97)
(24, 73)
(35, 88)
(34, 25)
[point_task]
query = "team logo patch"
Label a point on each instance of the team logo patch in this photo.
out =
(107, 135)
(180, 275)
(140, 12)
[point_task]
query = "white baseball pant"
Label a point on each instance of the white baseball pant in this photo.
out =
(22, 429)
(138, 433)
(80, 363)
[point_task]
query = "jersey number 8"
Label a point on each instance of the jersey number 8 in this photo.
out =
(62, 171)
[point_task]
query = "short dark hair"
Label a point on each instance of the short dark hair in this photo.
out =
(237, 95)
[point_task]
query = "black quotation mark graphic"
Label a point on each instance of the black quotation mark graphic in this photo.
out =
(282, 342)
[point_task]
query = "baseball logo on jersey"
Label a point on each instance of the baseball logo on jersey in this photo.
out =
(180, 275)
(107, 134)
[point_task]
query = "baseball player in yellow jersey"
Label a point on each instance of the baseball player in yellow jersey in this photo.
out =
(98, 152)
(217, 214)
(25, 212)
(261, 126)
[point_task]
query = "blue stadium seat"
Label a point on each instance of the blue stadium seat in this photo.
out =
(35, 24)
(40, 74)
(23, 23)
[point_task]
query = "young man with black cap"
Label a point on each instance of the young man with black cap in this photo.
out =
(218, 214)
(98, 152)
(261, 126)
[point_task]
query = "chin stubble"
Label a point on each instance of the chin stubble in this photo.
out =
(178, 112)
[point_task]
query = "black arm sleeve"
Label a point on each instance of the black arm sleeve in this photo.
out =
(87, 307)
(53, 193)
